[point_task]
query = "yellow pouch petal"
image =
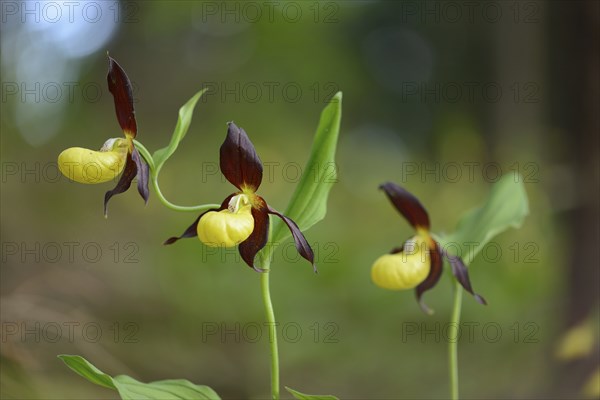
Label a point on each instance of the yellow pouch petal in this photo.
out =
(225, 228)
(404, 270)
(89, 166)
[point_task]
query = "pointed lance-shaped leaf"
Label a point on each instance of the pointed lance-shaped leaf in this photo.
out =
(308, 204)
(120, 87)
(408, 205)
(192, 230)
(257, 240)
(238, 160)
(143, 175)
(124, 183)
(299, 240)
(435, 272)
(460, 271)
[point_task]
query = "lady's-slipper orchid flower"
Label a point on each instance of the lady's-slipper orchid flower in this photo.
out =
(419, 262)
(243, 218)
(117, 154)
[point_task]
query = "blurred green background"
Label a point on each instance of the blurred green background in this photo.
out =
(440, 97)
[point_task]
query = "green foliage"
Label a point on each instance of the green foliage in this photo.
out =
(302, 396)
(131, 389)
(308, 204)
(160, 156)
(84, 368)
(505, 207)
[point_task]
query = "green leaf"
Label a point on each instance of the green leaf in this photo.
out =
(131, 389)
(308, 204)
(303, 396)
(171, 389)
(160, 156)
(506, 207)
(84, 368)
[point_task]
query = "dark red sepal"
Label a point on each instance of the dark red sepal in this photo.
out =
(257, 240)
(408, 205)
(124, 183)
(299, 240)
(143, 174)
(238, 160)
(435, 272)
(460, 271)
(120, 87)
(192, 230)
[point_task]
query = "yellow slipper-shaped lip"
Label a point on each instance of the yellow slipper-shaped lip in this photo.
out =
(225, 228)
(404, 270)
(228, 227)
(91, 167)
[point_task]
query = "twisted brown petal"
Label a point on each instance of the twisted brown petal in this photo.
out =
(408, 205)
(459, 270)
(238, 160)
(143, 174)
(250, 247)
(299, 240)
(120, 87)
(124, 183)
(435, 272)
(188, 233)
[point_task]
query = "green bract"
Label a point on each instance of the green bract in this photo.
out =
(184, 120)
(308, 204)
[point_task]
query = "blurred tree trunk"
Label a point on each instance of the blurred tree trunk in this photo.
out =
(557, 51)
(574, 74)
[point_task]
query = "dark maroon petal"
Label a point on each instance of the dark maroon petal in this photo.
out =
(129, 173)
(239, 162)
(435, 272)
(121, 89)
(407, 204)
(143, 175)
(192, 230)
(459, 269)
(301, 244)
(250, 247)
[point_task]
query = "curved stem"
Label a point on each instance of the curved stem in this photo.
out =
(453, 341)
(167, 203)
(154, 178)
(270, 315)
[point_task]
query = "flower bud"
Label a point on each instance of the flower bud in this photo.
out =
(404, 270)
(89, 166)
(229, 227)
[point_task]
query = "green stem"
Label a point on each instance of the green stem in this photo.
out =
(270, 315)
(154, 178)
(167, 203)
(453, 341)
